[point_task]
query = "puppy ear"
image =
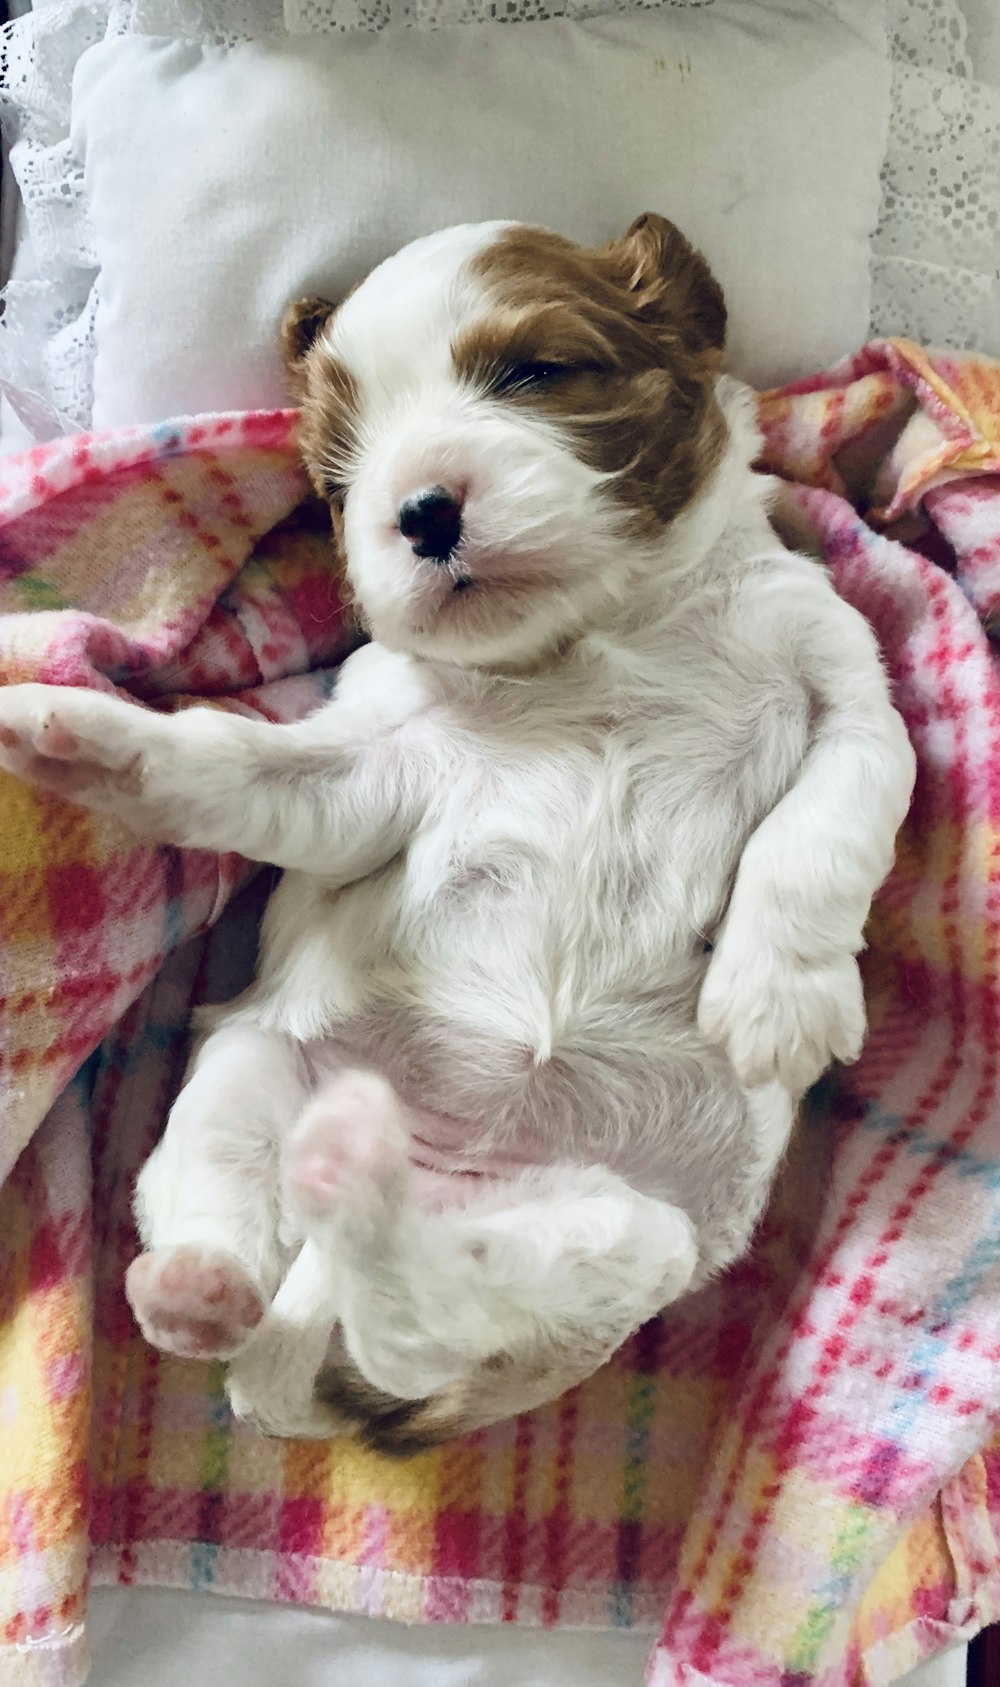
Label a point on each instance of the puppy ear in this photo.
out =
(302, 322)
(672, 282)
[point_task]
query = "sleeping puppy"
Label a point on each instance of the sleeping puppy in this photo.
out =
(577, 859)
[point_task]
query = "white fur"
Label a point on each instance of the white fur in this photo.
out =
(510, 839)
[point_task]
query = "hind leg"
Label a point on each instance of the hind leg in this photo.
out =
(517, 1276)
(206, 1199)
(350, 1135)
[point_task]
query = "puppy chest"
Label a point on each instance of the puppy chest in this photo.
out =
(581, 883)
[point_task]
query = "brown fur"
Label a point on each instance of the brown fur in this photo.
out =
(501, 1387)
(400, 1428)
(382, 1421)
(302, 321)
(638, 327)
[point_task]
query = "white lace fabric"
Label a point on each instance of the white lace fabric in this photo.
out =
(46, 331)
(935, 251)
(226, 22)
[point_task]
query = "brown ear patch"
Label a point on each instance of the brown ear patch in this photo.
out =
(328, 396)
(303, 320)
(671, 278)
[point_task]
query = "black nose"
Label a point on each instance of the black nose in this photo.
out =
(432, 521)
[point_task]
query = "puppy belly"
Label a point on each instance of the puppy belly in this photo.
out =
(494, 1135)
(483, 1108)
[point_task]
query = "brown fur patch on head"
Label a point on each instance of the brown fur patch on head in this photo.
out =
(619, 345)
(303, 320)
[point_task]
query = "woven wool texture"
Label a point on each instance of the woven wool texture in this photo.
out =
(791, 1478)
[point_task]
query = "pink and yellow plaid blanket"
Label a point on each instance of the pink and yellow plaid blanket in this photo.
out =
(794, 1478)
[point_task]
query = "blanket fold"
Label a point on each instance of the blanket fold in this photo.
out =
(794, 1476)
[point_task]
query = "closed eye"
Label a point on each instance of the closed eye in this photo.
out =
(519, 377)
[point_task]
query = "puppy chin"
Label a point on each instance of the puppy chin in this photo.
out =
(470, 634)
(474, 615)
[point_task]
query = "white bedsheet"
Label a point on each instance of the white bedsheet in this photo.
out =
(173, 1639)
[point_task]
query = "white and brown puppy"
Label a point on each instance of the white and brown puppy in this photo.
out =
(578, 857)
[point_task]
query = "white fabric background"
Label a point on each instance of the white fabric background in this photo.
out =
(934, 274)
(164, 1639)
(936, 270)
(135, 1638)
(222, 182)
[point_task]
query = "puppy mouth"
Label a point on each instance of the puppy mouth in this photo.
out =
(470, 600)
(487, 574)
(478, 580)
(445, 592)
(458, 572)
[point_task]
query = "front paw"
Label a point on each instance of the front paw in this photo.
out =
(82, 745)
(779, 1017)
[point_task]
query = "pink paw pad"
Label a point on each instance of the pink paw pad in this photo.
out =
(350, 1144)
(196, 1302)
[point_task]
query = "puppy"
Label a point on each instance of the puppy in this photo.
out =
(577, 859)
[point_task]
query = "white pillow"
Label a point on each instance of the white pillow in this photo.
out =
(223, 181)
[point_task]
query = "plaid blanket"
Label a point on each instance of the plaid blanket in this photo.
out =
(794, 1477)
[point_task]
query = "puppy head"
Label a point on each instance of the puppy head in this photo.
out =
(503, 423)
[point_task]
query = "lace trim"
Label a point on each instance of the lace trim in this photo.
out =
(318, 17)
(47, 327)
(935, 276)
(934, 267)
(226, 22)
(220, 23)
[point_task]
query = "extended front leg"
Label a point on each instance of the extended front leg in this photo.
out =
(783, 992)
(328, 795)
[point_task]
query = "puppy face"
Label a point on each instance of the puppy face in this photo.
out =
(504, 424)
